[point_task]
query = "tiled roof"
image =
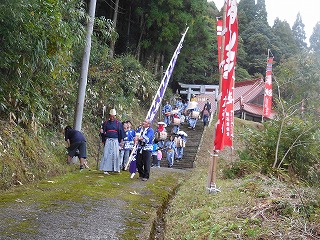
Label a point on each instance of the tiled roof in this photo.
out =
(246, 91)
(248, 97)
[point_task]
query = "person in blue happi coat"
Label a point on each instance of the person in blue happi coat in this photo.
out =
(144, 150)
(167, 112)
(170, 147)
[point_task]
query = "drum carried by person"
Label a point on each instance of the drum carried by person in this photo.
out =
(179, 142)
(192, 105)
(195, 114)
(162, 135)
(182, 118)
(176, 121)
(161, 132)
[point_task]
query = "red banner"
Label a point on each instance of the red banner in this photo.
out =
(219, 38)
(267, 101)
(224, 126)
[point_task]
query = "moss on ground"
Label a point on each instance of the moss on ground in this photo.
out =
(143, 199)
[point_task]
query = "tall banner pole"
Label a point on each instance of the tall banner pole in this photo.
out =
(100, 137)
(212, 176)
(160, 93)
(165, 80)
(262, 118)
(220, 22)
(224, 125)
(267, 99)
(221, 29)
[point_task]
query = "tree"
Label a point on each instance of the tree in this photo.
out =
(114, 25)
(285, 142)
(285, 39)
(198, 57)
(299, 80)
(315, 39)
(257, 41)
(261, 11)
(246, 13)
(290, 141)
(241, 71)
(299, 33)
(38, 40)
(257, 36)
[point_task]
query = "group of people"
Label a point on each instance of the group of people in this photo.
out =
(120, 140)
(186, 111)
(173, 145)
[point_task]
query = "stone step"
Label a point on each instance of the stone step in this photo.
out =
(191, 149)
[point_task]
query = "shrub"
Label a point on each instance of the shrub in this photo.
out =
(293, 144)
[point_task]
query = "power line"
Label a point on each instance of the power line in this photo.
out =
(118, 6)
(113, 7)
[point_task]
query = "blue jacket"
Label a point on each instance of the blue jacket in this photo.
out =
(113, 129)
(147, 140)
(130, 134)
(74, 136)
(167, 108)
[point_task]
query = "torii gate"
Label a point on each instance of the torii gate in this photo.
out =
(202, 92)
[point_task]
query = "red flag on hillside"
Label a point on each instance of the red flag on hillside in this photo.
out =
(224, 126)
(267, 100)
(219, 38)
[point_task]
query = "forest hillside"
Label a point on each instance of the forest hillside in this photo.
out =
(42, 48)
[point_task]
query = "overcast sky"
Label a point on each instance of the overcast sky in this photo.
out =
(288, 10)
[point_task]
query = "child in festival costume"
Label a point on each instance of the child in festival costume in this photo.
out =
(180, 142)
(155, 153)
(167, 112)
(133, 162)
(161, 134)
(170, 151)
(159, 157)
(194, 114)
(179, 103)
(128, 143)
(176, 120)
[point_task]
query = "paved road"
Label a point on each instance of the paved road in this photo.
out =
(92, 219)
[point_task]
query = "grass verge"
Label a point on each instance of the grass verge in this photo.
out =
(252, 207)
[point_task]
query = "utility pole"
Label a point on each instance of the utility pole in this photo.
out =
(114, 25)
(84, 68)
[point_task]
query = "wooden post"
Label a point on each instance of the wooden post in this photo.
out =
(214, 157)
(212, 176)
